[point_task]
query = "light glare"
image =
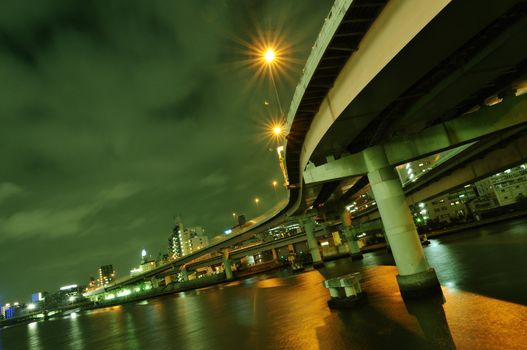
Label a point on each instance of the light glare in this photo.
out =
(269, 55)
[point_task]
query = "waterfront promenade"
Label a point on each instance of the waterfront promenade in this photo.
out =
(482, 273)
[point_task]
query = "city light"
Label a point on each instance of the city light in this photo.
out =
(124, 292)
(143, 253)
(31, 306)
(71, 286)
(277, 130)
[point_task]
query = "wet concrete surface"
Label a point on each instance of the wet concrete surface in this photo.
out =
(483, 274)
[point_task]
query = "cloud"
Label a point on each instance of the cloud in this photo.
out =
(8, 190)
(119, 192)
(121, 114)
(215, 179)
(45, 223)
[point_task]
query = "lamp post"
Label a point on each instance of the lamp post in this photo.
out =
(270, 58)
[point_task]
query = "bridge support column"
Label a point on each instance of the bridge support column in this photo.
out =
(227, 264)
(290, 248)
(184, 274)
(312, 243)
(154, 282)
(353, 246)
(275, 254)
(415, 275)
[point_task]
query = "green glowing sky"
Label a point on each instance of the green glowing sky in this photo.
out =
(117, 115)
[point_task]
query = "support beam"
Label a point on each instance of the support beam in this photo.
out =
(499, 158)
(353, 246)
(415, 275)
(467, 128)
(227, 265)
(275, 254)
(184, 274)
(308, 224)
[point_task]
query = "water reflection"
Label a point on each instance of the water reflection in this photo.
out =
(76, 340)
(482, 281)
(132, 342)
(33, 337)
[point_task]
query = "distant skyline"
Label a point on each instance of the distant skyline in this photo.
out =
(116, 117)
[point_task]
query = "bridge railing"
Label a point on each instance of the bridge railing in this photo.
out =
(331, 24)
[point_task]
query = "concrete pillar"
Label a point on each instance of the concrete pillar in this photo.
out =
(154, 282)
(184, 274)
(312, 243)
(290, 248)
(275, 254)
(227, 264)
(415, 275)
(353, 246)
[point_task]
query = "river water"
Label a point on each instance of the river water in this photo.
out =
(483, 273)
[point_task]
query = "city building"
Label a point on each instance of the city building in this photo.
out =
(38, 297)
(184, 241)
(10, 310)
(175, 246)
(147, 264)
(510, 185)
(106, 275)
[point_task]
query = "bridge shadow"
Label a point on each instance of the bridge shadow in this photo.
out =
(387, 319)
(369, 327)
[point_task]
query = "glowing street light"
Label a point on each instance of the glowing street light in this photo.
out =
(275, 183)
(269, 55)
(257, 201)
(277, 130)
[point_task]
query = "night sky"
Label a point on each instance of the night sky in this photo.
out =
(118, 115)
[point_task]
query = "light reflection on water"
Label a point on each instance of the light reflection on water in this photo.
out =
(76, 339)
(33, 338)
(483, 286)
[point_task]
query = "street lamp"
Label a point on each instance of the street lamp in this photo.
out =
(271, 59)
(269, 55)
(257, 201)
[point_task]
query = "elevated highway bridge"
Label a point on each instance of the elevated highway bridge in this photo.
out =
(386, 83)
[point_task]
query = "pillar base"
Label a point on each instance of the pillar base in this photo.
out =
(347, 302)
(419, 284)
(318, 264)
(356, 256)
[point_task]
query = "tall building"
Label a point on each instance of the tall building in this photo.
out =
(106, 275)
(184, 241)
(175, 246)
